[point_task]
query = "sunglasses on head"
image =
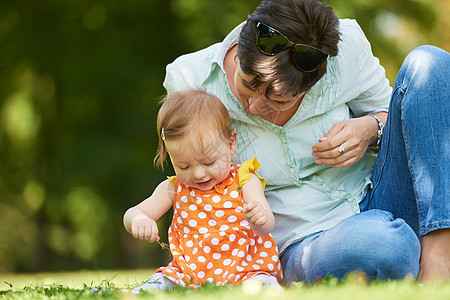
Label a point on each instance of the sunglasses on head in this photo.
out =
(270, 42)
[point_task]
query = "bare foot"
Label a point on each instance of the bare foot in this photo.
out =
(435, 258)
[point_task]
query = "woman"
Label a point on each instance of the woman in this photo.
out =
(310, 111)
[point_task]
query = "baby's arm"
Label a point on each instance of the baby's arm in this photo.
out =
(256, 208)
(140, 220)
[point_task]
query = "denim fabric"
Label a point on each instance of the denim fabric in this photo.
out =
(412, 174)
(410, 193)
(372, 241)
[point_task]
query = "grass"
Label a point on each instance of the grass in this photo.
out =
(77, 285)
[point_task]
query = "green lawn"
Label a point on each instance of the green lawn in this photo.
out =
(76, 285)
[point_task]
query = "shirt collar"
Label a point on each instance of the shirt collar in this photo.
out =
(218, 56)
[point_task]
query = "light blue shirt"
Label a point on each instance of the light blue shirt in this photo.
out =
(305, 197)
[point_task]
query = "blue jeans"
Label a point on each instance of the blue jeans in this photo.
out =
(410, 193)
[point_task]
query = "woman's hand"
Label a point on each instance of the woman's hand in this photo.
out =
(144, 228)
(347, 141)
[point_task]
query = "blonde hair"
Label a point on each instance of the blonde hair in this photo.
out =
(190, 112)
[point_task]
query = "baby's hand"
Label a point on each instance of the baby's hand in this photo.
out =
(255, 213)
(144, 228)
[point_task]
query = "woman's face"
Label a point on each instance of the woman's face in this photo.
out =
(255, 102)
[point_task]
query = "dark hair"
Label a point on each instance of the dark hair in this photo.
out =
(302, 21)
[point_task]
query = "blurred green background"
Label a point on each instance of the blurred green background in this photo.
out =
(79, 86)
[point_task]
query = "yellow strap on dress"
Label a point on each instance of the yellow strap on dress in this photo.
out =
(246, 167)
(172, 179)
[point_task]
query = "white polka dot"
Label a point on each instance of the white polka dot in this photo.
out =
(232, 237)
(202, 215)
(234, 252)
(220, 213)
(184, 199)
(201, 274)
(203, 230)
(192, 193)
(199, 200)
(242, 241)
(244, 263)
(189, 243)
(275, 258)
(244, 224)
(177, 205)
(268, 244)
(201, 259)
(192, 223)
(234, 194)
(184, 214)
(256, 267)
(169, 270)
(240, 269)
(181, 275)
(215, 241)
(218, 271)
(227, 261)
(228, 204)
(241, 254)
(251, 241)
(224, 227)
(239, 209)
(222, 233)
(237, 277)
(216, 199)
(207, 249)
(207, 235)
(208, 207)
(179, 220)
(187, 258)
(225, 247)
(209, 265)
(270, 266)
(263, 254)
(225, 274)
(195, 250)
(232, 219)
(217, 255)
(179, 189)
(193, 207)
(212, 222)
(260, 261)
(186, 230)
(225, 191)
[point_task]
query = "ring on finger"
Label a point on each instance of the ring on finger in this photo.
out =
(341, 149)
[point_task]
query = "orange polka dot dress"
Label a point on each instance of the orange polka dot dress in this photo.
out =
(211, 241)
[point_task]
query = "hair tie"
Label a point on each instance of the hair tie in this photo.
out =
(163, 136)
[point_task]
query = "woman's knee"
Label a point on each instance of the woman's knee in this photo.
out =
(388, 247)
(427, 63)
(375, 243)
